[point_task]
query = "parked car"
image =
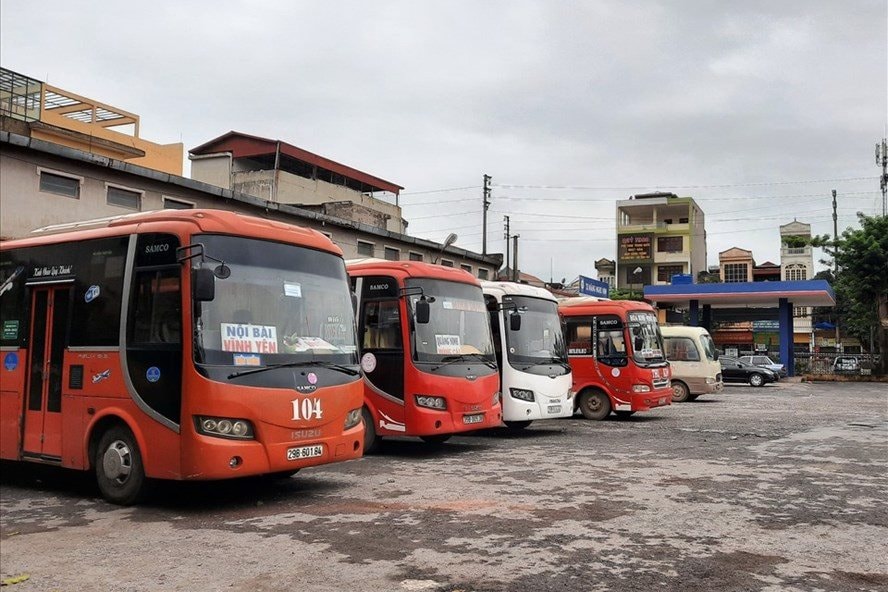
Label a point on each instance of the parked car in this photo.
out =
(846, 364)
(733, 370)
(765, 362)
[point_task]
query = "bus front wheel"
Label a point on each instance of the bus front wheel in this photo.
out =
(680, 392)
(594, 404)
(119, 471)
(371, 440)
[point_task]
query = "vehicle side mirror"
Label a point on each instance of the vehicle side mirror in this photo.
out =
(514, 321)
(716, 356)
(422, 311)
(203, 284)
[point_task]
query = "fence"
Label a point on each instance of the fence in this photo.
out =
(844, 364)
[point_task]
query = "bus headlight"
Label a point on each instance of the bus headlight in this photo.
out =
(522, 394)
(641, 388)
(224, 427)
(710, 380)
(352, 419)
(431, 402)
(496, 399)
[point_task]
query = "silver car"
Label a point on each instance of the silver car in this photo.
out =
(765, 362)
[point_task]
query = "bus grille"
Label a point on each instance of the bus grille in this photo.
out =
(660, 383)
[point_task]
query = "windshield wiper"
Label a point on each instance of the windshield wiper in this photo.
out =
(448, 360)
(320, 363)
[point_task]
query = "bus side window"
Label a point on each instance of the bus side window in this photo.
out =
(157, 315)
(382, 325)
(579, 337)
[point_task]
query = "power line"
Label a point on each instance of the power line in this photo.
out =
(439, 190)
(661, 185)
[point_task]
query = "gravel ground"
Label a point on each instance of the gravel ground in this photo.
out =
(773, 489)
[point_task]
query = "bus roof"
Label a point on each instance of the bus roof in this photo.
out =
(587, 304)
(413, 269)
(682, 331)
(195, 221)
(515, 289)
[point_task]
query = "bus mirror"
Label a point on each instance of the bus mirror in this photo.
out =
(514, 321)
(422, 311)
(203, 284)
(716, 356)
(222, 271)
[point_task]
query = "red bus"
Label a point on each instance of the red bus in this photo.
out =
(183, 345)
(617, 356)
(426, 351)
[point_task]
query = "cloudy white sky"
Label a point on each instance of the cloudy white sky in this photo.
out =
(757, 109)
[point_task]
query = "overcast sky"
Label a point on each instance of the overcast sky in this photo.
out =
(755, 109)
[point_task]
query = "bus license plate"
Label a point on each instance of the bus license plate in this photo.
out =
(305, 452)
(663, 401)
(554, 408)
(477, 418)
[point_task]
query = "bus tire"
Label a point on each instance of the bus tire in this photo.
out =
(518, 425)
(594, 404)
(680, 392)
(371, 440)
(756, 379)
(119, 470)
(436, 440)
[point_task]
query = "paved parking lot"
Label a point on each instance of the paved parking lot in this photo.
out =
(777, 488)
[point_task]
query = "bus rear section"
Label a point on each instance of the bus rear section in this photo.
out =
(535, 376)
(694, 362)
(179, 345)
(617, 356)
(426, 351)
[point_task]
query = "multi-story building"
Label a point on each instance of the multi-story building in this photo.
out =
(797, 263)
(279, 172)
(606, 269)
(54, 175)
(659, 235)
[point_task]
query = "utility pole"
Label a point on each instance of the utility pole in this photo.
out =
(515, 257)
(484, 215)
(882, 159)
(836, 261)
(508, 237)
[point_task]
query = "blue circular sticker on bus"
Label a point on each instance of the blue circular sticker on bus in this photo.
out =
(11, 361)
(153, 374)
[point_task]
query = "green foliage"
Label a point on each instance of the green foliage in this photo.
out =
(705, 277)
(626, 294)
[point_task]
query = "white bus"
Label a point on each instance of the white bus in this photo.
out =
(535, 376)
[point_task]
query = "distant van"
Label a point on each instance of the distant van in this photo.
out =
(695, 367)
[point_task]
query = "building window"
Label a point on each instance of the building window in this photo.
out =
(796, 273)
(170, 203)
(124, 198)
(670, 244)
(392, 254)
(328, 235)
(483, 274)
(446, 262)
(665, 272)
(60, 184)
(795, 251)
(365, 248)
(736, 272)
(800, 312)
(414, 256)
(465, 267)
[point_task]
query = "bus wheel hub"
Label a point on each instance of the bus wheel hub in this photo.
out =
(117, 461)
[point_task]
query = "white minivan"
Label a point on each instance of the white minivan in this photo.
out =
(694, 361)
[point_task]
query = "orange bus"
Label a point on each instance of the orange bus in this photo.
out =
(617, 356)
(426, 351)
(183, 345)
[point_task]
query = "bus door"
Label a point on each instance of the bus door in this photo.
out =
(50, 309)
(610, 343)
(382, 349)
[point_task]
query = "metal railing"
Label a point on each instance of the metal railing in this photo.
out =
(836, 364)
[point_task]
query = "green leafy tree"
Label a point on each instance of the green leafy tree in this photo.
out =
(861, 283)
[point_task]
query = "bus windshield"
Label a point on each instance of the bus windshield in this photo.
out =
(282, 303)
(458, 324)
(708, 347)
(647, 342)
(539, 340)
